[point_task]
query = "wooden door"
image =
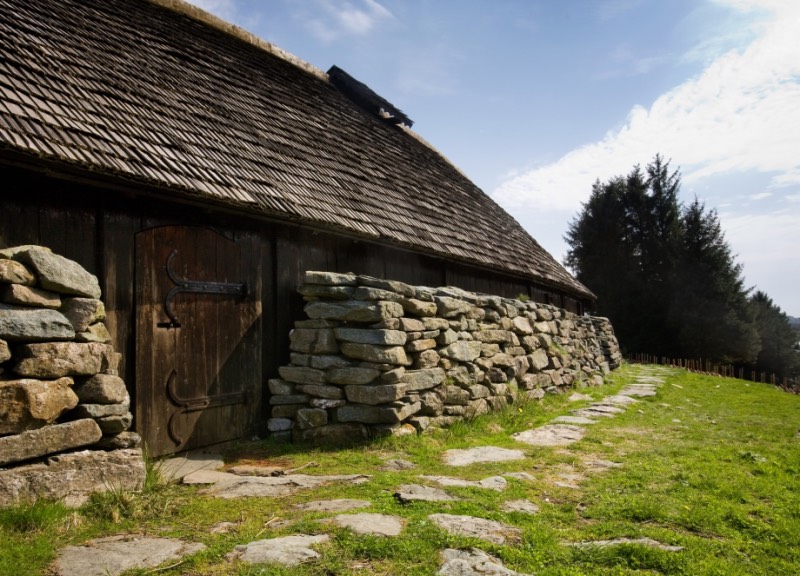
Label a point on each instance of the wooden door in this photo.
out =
(198, 332)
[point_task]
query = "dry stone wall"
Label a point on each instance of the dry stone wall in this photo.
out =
(59, 387)
(379, 356)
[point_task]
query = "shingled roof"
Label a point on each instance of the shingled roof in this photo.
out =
(161, 94)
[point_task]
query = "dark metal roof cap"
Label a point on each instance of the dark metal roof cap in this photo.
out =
(366, 98)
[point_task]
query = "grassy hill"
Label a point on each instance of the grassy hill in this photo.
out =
(709, 464)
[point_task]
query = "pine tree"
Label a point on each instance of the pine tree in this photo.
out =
(664, 275)
(709, 305)
(779, 353)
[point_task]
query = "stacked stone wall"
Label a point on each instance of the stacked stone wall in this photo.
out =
(59, 387)
(379, 356)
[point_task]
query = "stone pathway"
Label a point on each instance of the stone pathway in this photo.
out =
(473, 527)
(114, 555)
(288, 550)
(648, 542)
(492, 483)
(481, 454)
(111, 556)
(366, 523)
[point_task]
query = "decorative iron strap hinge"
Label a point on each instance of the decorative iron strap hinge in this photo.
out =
(196, 287)
(197, 404)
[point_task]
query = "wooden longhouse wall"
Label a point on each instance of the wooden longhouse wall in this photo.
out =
(97, 229)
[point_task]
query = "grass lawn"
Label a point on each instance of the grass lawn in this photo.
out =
(709, 464)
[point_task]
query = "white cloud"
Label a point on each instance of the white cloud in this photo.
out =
(760, 196)
(741, 113)
(336, 18)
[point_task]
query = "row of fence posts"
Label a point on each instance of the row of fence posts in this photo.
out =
(726, 370)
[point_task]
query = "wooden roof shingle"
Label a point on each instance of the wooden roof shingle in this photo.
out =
(159, 92)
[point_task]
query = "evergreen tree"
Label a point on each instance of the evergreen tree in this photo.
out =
(664, 275)
(603, 242)
(623, 246)
(779, 353)
(709, 305)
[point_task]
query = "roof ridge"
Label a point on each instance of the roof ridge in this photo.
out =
(197, 13)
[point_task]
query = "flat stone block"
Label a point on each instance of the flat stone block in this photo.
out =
(422, 379)
(352, 375)
(13, 272)
(377, 337)
(380, 394)
(71, 478)
(330, 278)
(462, 350)
(332, 292)
(367, 523)
(102, 389)
(465, 457)
(20, 295)
(323, 391)
(371, 293)
(326, 362)
(48, 440)
(376, 414)
(28, 404)
(302, 375)
(390, 285)
(117, 554)
(419, 307)
(287, 550)
(394, 355)
(83, 312)
(421, 345)
(313, 341)
(280, 387)
(470, 526)
(19, 324)
(60, 274)
(56, 359)
(99, 410)
(311, 418)
(115, 424)
(551, 435)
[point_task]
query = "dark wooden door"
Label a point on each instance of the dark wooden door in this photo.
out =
(198, 332)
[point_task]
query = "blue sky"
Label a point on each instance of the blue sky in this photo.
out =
(536, 99)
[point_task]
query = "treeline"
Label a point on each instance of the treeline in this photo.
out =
(665, 276)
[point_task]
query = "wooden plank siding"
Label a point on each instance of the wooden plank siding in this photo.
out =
(97, 227)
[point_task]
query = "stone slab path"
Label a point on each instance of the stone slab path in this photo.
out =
(417, 493)
(472, 562)
(492, 483)
(288, 550)
(481, 454)
(111, 556)
(366, 523)
(340, 505)
(551, 435)
(470, 526)
(233, 486)
(648, 542)
(115, 555)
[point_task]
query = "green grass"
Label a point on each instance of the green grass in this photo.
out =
(710, 464)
